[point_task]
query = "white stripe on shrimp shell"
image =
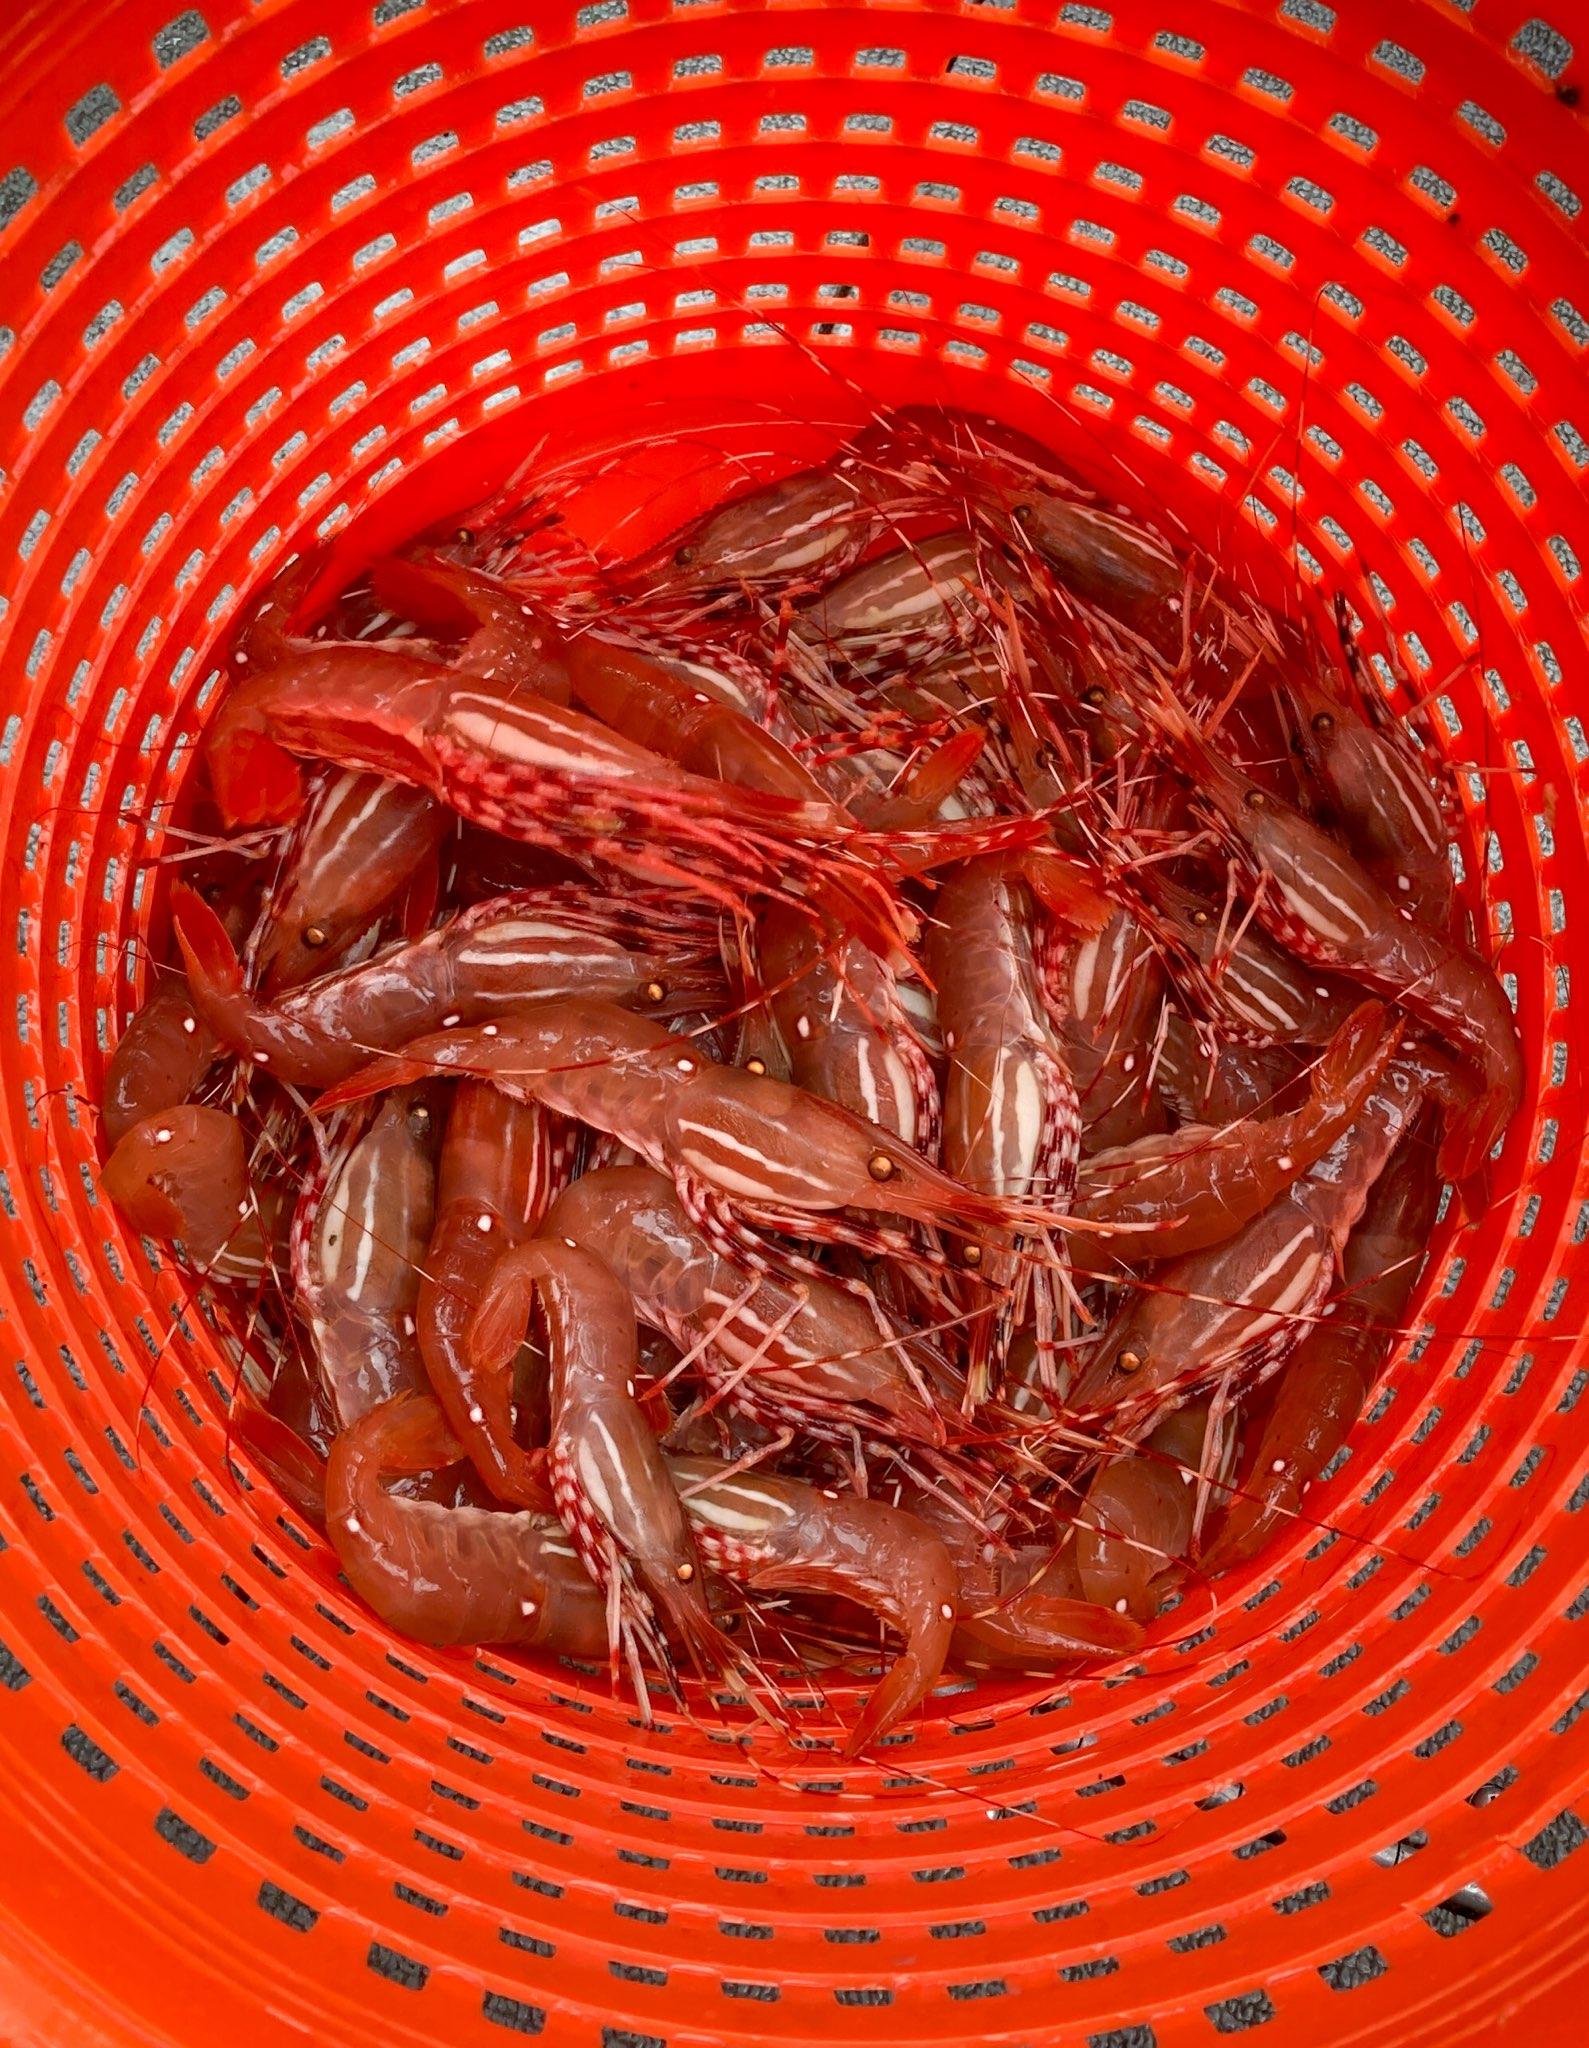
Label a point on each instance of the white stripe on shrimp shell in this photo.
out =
(507, 732)
(740, 1518)
(1307, 901)
(715, 1152)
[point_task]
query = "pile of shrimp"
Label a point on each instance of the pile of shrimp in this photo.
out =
(866, 1089)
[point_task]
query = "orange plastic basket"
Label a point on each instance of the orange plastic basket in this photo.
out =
(1315, 272)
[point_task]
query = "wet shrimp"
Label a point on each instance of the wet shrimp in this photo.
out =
(806, 1353)
(1248, 987)
(1180, 1193)
(742, 1148)
(352, 852)
(1208, 1080)
(844, 1028)
(167, 1049)
(1105, 989)
(765, 537)
(359, 1239)
(160, 1059)
(902, 607)
(532, 769)
(484, 962)
(182, 1175)
(611, 1484)
(1136, 1521)
(1374, 794)
(1319, 1394)
(449, 1575)
(1237, 1309)
(502, 1164)
(1313, 896)
(1012, 1125)
(774, 1534)
(1022, 1605)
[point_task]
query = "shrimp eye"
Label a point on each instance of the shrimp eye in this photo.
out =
(419, 1120)
(684, 1573)
(315, 936)
(1200, 918)
(464, 536)
(972, 1255)
(1255, 799)
(655, 991)
(1323, 721)
(881, 1167)
(1096, 697)
(1129, 1361)
(754, 1066)
(1021, 514)
(683, 557)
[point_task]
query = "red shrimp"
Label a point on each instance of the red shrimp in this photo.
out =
(1251, 989)
(854, 1047)
(358, 1239)
(1178, 612)
(1238, 1308)
(481, 863)
(293, 1466)
(502, 1163)
(298, 1399)
(1012, 1126)
(1036, 1615)
(1314, 897)
(1105, 989)
(609, 1478)
(810, 1353)
(352, 853)
(165, 1052)
(485, 962)
(182, 1175)
(513, 760)
(902, 607)
(1374, 793)
(924, 789)
(739, 1145)
(845, 1029)
(663, 705)
(1181, 1193)
(451, 1574)
(773, 1535)
(766, 537)
(1320, 1392)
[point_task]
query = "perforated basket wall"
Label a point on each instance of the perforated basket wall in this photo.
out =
(267, 267)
